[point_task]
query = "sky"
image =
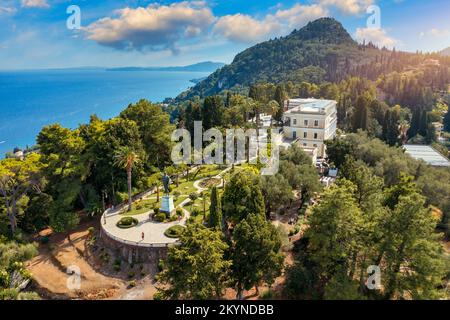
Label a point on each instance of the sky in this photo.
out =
(36, 34)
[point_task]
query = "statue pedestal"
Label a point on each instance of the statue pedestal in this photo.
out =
(167, 204)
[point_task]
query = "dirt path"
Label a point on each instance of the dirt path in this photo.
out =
(65, 251)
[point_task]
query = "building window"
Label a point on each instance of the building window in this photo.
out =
(304, 144)
(305, 135)
(294, 121)
(294, 135)
(315, 145)
(316, 123)
(306, 123)
(315, 135)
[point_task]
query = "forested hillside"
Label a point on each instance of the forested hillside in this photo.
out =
(321, 51)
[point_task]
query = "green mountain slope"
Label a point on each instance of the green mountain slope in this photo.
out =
(322, 50)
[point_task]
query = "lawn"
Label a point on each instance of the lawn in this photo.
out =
(141, 206)
(207, 170)
(184, 189)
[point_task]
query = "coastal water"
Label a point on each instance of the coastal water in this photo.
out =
(30, 100)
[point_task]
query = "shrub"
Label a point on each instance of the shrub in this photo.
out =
(173, 218)
(174, 231)
(139, 206)
(132, 283)
(160, 265)
(294, 231)
(160, 217)
(179, 212)
(104, 256)
(131, 274)
(121, 197)
(157, 296)
(195, 212)
(267, 295)
(176, 193)
(127, 222)
(91, 230)
(44, 240)
(193, 196)
(156, 211)
(190, 220)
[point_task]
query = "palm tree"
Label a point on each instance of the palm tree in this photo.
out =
(126, 158)
(273, 108)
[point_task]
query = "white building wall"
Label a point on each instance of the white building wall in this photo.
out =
(320, 126)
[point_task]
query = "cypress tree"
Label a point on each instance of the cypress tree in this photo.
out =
(280, 96)
(447, 121)
(215, 214)
(361, 116)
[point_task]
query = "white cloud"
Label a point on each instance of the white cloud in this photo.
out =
(348, 6)
(35, 4)
(437, 33)
(299, 15)
(7, 10)
(156, 27)
(246, 29)
(160, 27)
(376, 36)
(243, 28)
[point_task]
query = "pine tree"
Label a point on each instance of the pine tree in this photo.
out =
(256, 254)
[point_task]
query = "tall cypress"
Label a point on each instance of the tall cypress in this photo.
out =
(280, 96)
(447, 121)
(215, 214)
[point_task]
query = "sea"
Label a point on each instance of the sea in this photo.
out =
(30, 100)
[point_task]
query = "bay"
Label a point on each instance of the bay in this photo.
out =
(30, 100)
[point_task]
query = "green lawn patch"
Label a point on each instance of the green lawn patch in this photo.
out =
(141, 206)
(174, 231)
(127, 222)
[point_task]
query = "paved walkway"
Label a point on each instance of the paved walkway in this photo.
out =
(153, 231)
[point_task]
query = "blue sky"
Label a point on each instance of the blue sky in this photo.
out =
(33, 33)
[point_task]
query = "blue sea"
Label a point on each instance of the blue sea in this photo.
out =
(30, 100)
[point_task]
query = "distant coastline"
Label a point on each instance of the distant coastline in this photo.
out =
(207, 66)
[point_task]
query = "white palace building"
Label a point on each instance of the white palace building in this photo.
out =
(309, 122)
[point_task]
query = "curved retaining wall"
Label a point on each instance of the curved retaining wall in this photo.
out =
(134, 251)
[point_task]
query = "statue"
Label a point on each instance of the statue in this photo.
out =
(166, 182)
(167, 205)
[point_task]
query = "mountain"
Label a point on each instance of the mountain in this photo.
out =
(207, 66)
(321, 51)
(446, 52)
